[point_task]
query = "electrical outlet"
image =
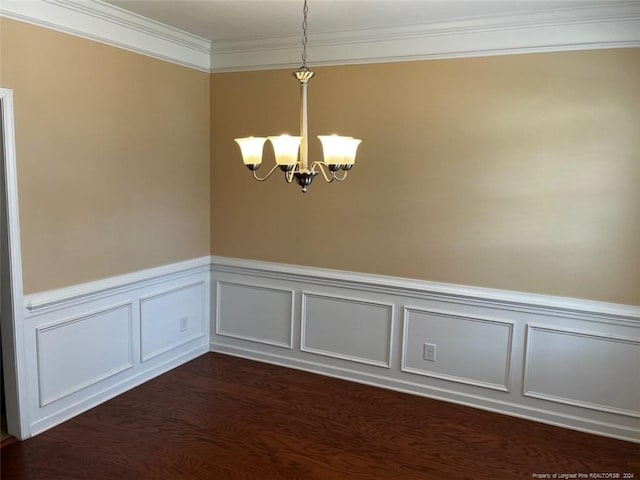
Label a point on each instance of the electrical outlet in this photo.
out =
(183, 324)
(429, 352)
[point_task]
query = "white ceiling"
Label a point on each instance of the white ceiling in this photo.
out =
(232, 20)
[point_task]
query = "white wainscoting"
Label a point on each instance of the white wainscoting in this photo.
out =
(561, 361)
(471, 350)
(172, 318)
(255, 312)
(76, 353)
(87, 343)
(583, 368)
(346, 327)
(567, 362)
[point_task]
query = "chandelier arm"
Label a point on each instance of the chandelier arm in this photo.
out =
(321, 167)
(340, 179)
(289, 175)
(266, 176)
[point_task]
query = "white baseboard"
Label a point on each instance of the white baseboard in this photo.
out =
(88, 343)
(513, 353)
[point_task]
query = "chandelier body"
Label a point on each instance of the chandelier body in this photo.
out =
(292, 153)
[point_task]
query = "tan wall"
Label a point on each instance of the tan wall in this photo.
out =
(514, 172)
(113, 157)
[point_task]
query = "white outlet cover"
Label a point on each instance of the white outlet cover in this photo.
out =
(429, 352)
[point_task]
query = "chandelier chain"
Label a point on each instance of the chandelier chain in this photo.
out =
(305, 10)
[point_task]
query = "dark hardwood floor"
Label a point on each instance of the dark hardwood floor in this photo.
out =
(220, 417)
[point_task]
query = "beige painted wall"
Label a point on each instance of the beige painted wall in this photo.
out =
(514, 172)
(113, 157)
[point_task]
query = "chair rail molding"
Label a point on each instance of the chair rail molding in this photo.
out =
(55, 299)
(477, 296)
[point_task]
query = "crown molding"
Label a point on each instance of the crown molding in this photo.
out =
(606, 25)
(105, 23)
(613, 24)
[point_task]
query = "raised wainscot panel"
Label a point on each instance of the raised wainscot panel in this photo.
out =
(585, 369)
(348, 328)
(255, 313)
(171, 318)
(470, 350)
(81, 351)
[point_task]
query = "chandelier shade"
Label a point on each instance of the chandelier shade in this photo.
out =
(285, 149)
(251, 149)
(339, 151)
(291, 152)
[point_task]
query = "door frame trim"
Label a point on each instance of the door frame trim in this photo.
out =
(13, 350)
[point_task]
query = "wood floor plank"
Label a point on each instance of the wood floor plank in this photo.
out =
(220, 417)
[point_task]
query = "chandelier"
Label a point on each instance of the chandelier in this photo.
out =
(291, 153)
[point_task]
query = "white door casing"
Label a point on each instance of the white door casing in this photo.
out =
(13, 358)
